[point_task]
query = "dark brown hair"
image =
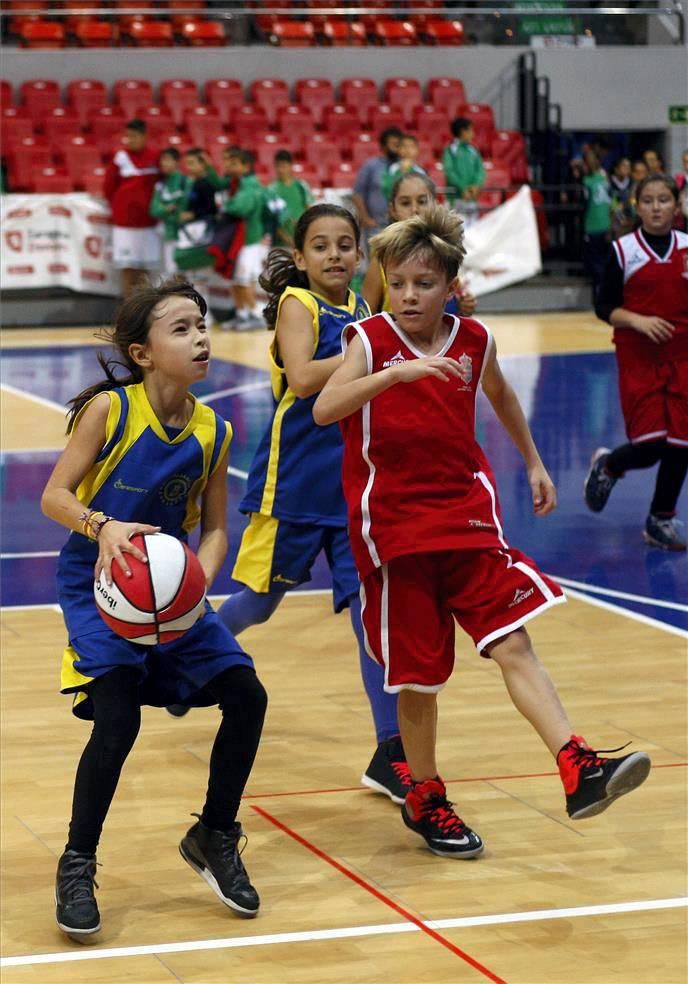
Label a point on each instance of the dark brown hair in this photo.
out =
(664, 179)
(281, 271)
(132, 324)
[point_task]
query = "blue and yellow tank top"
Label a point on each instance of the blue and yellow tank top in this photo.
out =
(143, 475)
(296, 471)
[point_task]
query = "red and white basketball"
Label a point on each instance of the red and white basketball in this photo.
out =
(161, 600)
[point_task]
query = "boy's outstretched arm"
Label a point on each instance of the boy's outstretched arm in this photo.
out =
(505, 404)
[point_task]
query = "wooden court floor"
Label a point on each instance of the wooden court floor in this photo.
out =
(348, 893)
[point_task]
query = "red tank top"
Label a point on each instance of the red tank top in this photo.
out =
(415, 479)
(655, 285)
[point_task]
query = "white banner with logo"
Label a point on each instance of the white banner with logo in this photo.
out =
(502, 247)
(57, 241)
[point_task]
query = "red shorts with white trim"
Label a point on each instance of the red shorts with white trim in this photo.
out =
(409, 607)
(654, 396)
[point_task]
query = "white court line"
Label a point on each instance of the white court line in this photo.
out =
(611, 593)
(237, 472)
(29, 556)
(50, 404)
(310, 936)
(233, 390)
(5, 451)
(635, 616)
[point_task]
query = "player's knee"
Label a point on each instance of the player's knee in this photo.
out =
(240, 688)
(512, 649)
(117, 733)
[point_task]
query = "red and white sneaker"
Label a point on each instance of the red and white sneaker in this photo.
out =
(428, 812)
(591, 782)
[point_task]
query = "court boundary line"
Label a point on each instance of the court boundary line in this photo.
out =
(41, 400)
(234, 390)
(347, 932)
(624, 595)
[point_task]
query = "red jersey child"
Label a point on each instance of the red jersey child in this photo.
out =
(426, 528)
(644, 296)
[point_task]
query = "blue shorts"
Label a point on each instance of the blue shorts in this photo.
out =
(276, 555)
(172, 673)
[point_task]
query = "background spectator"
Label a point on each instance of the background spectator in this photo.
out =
(369, 197)
(620, 193)
(295, 194)
(168, 199)
(653, 161)
(129, 184)
(596, 218)
(407, 163)
(682, 185)
(197, 224)
(463, 166)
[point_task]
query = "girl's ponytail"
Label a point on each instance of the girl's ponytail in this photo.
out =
(280, 272)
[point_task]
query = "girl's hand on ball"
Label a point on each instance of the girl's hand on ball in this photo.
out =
(114, 543)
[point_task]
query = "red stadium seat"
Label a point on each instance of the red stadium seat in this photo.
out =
(437, 30)
(202, 33)
(317, 95)
(364, 147)
(59, 125)
(342, 123)
(93, 181)
(497, 176)
(159, 122)
(270, 96)
(489, 199)
(480, 115)
(203, 125)
(41, 34)
(27, 156)
(321, 152)
(6, 93)
(311, 175)
(149, 33)
(393, 32)
(507, 144)
(177, 96)
(80, 157)
(132, 96)
(447, 94)
(84, 95)
(359, 95)
(38, 97)
(17, 6)
(382, 117)
(184, 5)
(343, 176)
(224, 95)
(249, 124)
(342, 33)
(297, 122)
(289, 33)
(431, 125)
(218, 147)
(106, 125)
(96, 33)
(405, 95)
(266, 149)
(51, 181)
(436, 175)
(16, 125)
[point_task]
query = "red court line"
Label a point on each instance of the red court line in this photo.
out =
(380, 896)
(361, 789)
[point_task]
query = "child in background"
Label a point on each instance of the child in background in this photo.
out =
(294, 494)
(407, 163)
(405, 394)
(463, 166)
(295, 194)
(168, 198)
(620, 187)
(644, 296)
(411, 194)
(124, 431)
(597, 218)
(196, 225)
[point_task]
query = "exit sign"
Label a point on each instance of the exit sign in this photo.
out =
(678, 114)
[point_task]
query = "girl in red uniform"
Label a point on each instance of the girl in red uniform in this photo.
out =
(644, 296)
(426, 529)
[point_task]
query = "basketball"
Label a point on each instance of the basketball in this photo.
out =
(161, 600)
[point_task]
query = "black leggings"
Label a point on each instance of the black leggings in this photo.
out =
(673, 464)
(117, 719)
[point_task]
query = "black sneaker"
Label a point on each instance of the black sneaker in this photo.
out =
(428, 812)
(598, 483)
(76, 908)
(177, 710)
(215, 855)
(592, 783)
(665, 532)
(388, 771)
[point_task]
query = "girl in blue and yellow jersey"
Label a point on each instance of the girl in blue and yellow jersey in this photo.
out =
(411, 194)
(145, 456)
(294, 494)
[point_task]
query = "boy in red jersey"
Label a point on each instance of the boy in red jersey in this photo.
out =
(644, 296)
(129, 185)
(425, 524)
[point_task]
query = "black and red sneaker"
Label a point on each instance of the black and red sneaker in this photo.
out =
(388, 771)
(592, 782)
(428, 812)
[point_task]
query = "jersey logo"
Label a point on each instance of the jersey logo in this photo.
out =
(521, 595)
(465, 371)
(175, 489)
(119, 484)
(284, 580)
(396, 360)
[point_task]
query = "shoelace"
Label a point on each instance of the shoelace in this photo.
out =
(403, 773)
(440, 811)
(588, 758)
(80, 878)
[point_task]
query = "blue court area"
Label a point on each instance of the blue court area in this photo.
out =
(571, 402)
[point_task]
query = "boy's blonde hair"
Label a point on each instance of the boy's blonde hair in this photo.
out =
(436, 235)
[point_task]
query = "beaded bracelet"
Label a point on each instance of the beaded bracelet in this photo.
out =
(92, 522)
